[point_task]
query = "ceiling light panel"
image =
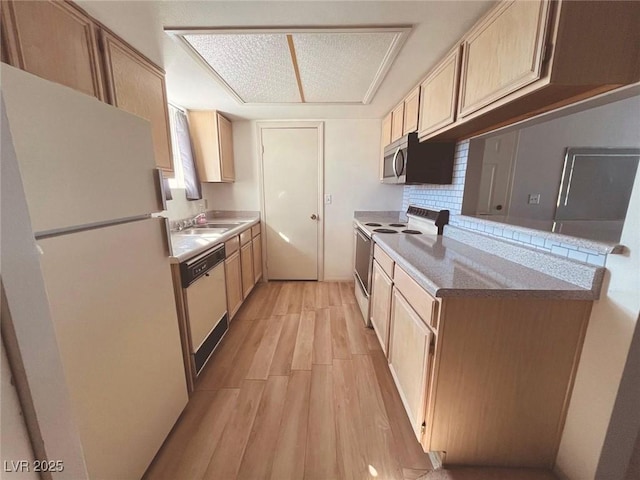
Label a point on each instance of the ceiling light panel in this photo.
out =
(256, 67)
(343, 67)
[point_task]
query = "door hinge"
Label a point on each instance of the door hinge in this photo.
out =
(423, 428)
(432, 347)
(262, 149)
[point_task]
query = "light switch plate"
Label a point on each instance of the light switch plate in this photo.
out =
(327, 199)
(534, 199)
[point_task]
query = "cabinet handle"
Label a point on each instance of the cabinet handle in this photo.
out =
(206, 274)
(314, 216)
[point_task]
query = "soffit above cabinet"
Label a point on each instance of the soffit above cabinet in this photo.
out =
(289, 66)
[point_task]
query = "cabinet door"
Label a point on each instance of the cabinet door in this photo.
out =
(438, 94)
(384, 141)
(411, 106)
(234, 283)
(55, 41)
(246, 260)
(381, 305)
(137, 86)
(503, 53)
(397, 125)
(386, 130)
(225, 136)
(257, 257)
(410, 360)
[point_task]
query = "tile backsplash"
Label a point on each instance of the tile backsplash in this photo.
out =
(441, 197)
(583, 250)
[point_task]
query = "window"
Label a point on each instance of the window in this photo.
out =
(184, 166)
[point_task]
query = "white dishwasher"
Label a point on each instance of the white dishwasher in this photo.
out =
(205, 298)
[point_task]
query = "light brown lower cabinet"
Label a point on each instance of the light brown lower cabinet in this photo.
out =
(492, 384)
(410, 344)
(246, 262)
(381, 286)
(257, 257)
(234, 283)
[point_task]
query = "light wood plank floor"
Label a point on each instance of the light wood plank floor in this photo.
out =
(298, 389)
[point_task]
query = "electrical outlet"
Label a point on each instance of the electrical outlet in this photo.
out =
(327, 199)
(534, 199)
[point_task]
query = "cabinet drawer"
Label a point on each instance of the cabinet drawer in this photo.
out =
(384, 260)
(231, 245)
(255, 230)
(423, 303)
(245, 237)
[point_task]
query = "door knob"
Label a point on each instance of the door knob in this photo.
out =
(314, 216)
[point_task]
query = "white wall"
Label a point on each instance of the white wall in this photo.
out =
(244, 193)
(137, 22)
(605, 351)
(541, 149)
(351, 149)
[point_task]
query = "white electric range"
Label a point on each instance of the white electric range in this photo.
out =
(421, 221)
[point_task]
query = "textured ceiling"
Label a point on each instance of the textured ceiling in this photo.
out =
(342, 67)
(333, 66)
(436, 26)
(256, 67)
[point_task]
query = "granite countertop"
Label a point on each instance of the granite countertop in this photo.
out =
(445, 267)
(186, 246)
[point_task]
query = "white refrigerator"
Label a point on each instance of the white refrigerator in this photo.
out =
(87, 171)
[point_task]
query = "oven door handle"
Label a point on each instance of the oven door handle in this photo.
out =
(363, 235)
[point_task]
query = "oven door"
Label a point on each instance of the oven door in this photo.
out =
(363, 260)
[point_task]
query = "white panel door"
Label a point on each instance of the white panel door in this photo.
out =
(497, 174)
(290, 169)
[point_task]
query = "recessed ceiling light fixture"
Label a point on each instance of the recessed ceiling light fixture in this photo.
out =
(296, 65)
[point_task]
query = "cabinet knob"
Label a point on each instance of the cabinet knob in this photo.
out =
(314, 216)
(498, 207)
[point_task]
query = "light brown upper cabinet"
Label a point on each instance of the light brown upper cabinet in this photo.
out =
(386, 130)
(438, 95)
(411, 107)
(53, 40)
(212, 139)
(137, 86)
(503, 53)
(397, 122)
(524, 58)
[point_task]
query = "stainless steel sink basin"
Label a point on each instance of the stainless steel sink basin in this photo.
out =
(226, 225)
(203, 230)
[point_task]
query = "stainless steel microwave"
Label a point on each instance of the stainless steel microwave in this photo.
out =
(408, 161)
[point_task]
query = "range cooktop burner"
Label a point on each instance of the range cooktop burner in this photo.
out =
(373, 224)
(397, 225)
(384, 230)
(412, 232)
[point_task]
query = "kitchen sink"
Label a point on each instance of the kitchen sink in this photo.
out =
(204, 230)
(218, 225)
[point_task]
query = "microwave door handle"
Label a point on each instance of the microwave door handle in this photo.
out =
(395, 170)
(401, 169)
